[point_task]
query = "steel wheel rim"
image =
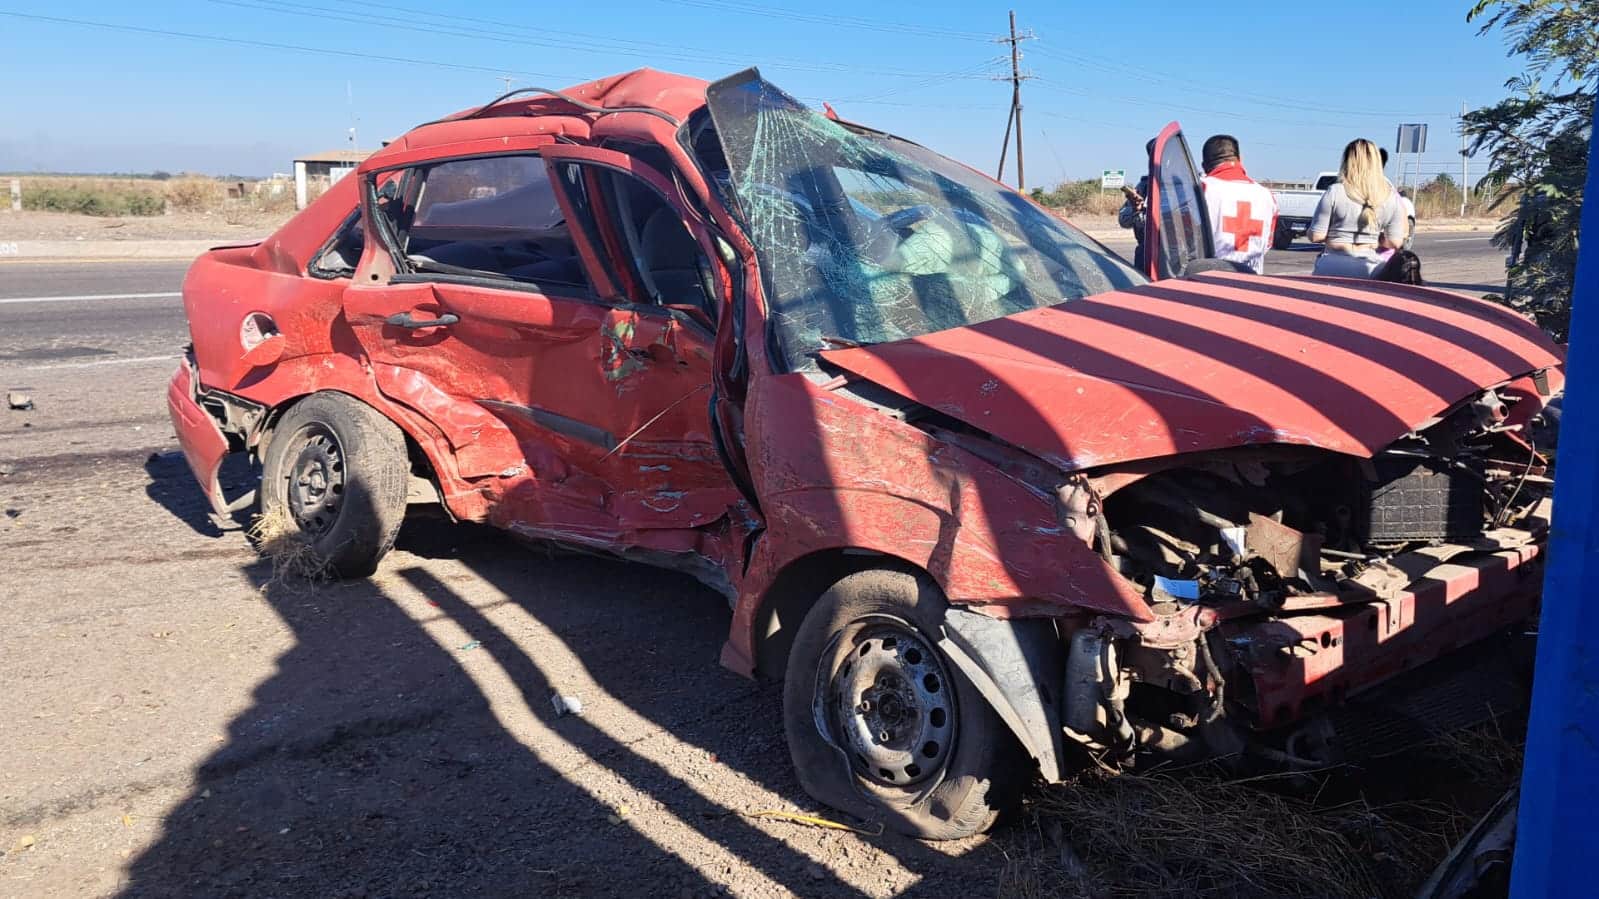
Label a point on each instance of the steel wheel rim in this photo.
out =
(894, 705)
(315, 480)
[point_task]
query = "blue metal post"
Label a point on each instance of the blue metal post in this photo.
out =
(1557, 827)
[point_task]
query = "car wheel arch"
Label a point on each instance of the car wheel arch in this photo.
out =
(797, 587)
(422, 462)
(1017, 665)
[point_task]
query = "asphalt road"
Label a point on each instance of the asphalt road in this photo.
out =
(54, 313)
(102, 313)
(1454, 260)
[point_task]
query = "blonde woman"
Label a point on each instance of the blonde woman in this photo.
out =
(1357, 217)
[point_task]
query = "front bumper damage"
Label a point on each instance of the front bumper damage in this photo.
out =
(1301, 663)
(1235, 676)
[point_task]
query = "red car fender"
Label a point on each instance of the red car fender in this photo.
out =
(871, 483)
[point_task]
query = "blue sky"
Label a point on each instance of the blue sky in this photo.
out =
(1293, 81)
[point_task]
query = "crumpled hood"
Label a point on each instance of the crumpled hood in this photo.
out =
(1217, 361)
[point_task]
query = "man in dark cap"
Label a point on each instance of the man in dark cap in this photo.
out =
(1133, 213)
(1243, 214)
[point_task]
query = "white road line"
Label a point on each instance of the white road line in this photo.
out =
(91, 297)
(1462, 239)
(95, 364)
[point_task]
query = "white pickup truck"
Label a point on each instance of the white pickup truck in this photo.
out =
(1295, 209)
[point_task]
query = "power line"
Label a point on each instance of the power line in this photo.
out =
(616, 47)
(295, 48)
(968, 72)
(1099, 64)
(1051, 85)
(833, 20)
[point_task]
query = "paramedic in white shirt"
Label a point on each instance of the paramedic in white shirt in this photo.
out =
(1243, 214)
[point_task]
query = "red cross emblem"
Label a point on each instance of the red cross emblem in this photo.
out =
(1243, 226)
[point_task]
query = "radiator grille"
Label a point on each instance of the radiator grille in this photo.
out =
(1418, 499)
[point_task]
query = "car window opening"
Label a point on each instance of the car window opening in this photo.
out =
(492, 216)
(654, 250)
(343, 253)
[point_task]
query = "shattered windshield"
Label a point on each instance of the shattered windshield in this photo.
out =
(865, 238)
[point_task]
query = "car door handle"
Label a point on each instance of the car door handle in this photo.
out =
(404, 320)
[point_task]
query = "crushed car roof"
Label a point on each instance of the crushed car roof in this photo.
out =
(675, 95)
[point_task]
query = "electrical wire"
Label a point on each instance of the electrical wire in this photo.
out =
(832, 20)
(559, 41)
(1154, 76)
(273, 45)
(938, 79)
(1050, 85)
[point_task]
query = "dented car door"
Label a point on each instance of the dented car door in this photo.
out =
(633, 232)
(582, 411)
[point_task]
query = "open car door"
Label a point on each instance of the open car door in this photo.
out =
(1178, 224)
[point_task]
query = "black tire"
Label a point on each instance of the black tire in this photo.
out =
(1283, 237)
(970, 779)
(338, 469)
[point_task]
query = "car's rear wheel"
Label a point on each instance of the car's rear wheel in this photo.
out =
(1283, 237)
(334, 472)
(866, 689)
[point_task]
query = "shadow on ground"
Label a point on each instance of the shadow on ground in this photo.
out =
(375, 762)
(172, 487)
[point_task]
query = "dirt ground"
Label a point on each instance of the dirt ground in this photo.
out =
(229, 224)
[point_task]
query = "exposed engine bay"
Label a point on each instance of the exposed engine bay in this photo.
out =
(1275, 572)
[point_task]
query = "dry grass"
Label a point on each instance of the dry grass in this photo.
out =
(295, 563)
(115, 197)
(1080, 198)
(1359, 832)
(193, 194)
(94, 196)
(1441, 200)
(1163, 835)
(1485, 754)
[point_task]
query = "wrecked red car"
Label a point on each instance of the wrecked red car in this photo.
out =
(980, 492)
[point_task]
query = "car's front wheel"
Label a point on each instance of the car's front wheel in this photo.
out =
(881, 723)
(334, 473)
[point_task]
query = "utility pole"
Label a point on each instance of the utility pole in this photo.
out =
(1465, 161)
(349, 98)
(1015, 118)
(507, 79)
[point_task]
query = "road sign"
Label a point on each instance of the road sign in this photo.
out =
(1112, 179)
(1412, 139)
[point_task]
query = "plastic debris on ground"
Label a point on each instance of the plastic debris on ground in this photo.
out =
(19, 401)
(566, 705)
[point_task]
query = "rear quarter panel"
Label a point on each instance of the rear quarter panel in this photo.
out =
(225, 285)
